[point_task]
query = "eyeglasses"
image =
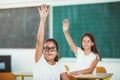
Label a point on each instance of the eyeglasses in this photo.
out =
(52, 49)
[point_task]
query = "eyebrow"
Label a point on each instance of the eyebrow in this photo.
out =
(49, 46)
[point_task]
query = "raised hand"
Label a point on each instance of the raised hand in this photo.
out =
(43, 11)
(65, 25)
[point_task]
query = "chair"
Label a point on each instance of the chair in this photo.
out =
(70, 76)
(101, 69)
(66, 67)
(7, 76)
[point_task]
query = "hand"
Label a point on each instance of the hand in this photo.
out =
(65, 25)
(43, 11)
(74, 73)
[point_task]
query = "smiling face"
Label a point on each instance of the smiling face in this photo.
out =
(50, 51)
(87, 43)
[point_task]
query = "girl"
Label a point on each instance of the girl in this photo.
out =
(87, 56)
(47, 66)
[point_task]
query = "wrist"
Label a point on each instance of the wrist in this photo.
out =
(43, 19)
(65, 31)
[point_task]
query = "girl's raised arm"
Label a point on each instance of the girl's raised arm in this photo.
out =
(68, 37)
(43, 12)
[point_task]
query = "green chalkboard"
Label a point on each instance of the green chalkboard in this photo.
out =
(100, 19)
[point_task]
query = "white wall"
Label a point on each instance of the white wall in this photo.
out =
(22, 59)
(5, 4)
(23, 62)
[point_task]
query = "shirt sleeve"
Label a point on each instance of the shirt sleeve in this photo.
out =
(79, 51)
(41, 60)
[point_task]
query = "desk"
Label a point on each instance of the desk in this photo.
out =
(97, 76)
(22, 75)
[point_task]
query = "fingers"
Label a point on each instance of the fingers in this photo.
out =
(66, 21)
(38, 9)
(71, 73)
(43, 7)
(43, 11)
(65, 25)
(47, 9)
(74, 73)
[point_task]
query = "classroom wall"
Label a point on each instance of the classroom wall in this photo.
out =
(22, 61)
(5, 4)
